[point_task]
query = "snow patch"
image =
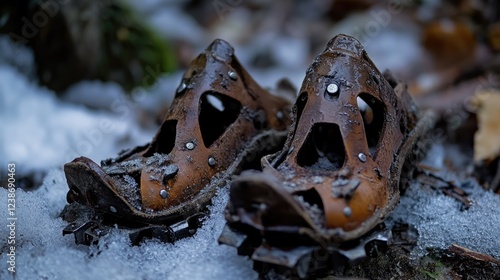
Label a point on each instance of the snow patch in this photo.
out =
(39, 131)
(17, 55)
(43, 253)
(441, 222)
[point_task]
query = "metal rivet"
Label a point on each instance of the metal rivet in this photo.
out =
(332, 88)
(189, 145)
(362, 157)
(211, 161)
(232, 75)
(163, 194)
(279, 115)
(181, 87)
(347, 211)
(112, 209)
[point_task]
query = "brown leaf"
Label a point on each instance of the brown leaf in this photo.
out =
(487, 138)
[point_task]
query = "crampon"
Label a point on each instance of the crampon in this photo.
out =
(220, 122)
(321, 201)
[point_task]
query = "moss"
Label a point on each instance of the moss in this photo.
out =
(89, 40)
(432, 268)
(129, 42)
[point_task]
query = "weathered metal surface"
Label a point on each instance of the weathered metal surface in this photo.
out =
(305, 260)
(337, 176)
(219, 120)
(91, 225)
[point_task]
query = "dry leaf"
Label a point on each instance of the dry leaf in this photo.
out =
(487, 137)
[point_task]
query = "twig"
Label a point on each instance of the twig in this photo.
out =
(464, 252)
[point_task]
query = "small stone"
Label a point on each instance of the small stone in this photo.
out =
(112, 209)
(232, 75)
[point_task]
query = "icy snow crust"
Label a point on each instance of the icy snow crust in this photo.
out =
(43, 253)
(441, 222)
(39, 131)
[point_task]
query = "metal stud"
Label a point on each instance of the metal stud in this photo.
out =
(362, 157)
(182, 87)
(232, 75)
(211, 161)
(332, 89)
(189, 145)
(279, 115)
(163, 194)
(112, 209)
(347, 211)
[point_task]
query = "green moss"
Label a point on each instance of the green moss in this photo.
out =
(131, 45)
(87, 40)
(433, 269)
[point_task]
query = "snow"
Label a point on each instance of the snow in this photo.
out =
(19, 56)
(39, 131)
(441, 222)
(43, 253)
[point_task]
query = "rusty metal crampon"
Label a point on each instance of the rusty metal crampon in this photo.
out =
(338, 175)
(220, 121)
